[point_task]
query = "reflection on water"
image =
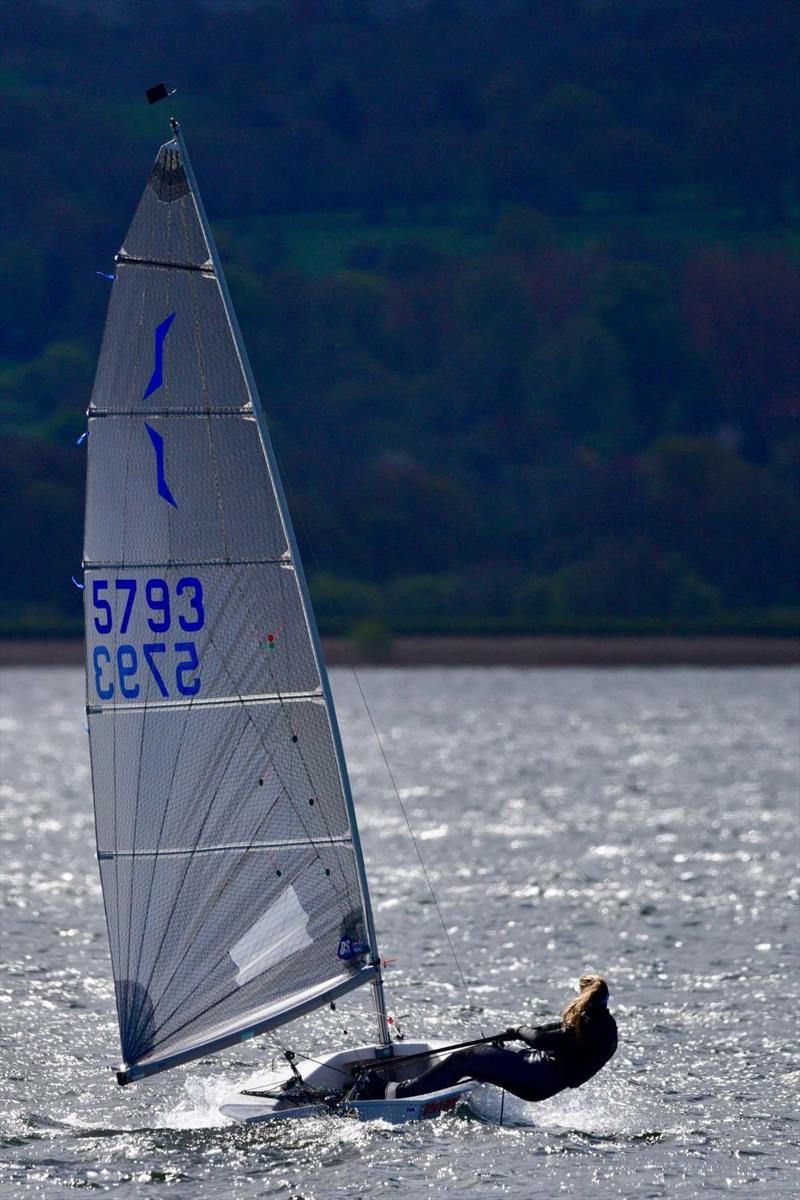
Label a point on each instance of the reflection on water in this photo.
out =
(639, 822)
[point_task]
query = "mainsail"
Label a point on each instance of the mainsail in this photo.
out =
(232, 876)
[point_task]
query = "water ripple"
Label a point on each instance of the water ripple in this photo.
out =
(639, 822)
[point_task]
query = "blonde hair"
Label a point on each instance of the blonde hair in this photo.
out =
(594, 991)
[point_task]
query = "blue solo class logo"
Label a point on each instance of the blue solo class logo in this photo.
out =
(161, 481)
(156, 380)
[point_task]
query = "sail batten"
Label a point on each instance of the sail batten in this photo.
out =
(249, 847)
(125, 260)
(217, 701)
(166, 412)
(229, 860)
(284, 560)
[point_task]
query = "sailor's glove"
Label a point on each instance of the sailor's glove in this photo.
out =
(510, 1035)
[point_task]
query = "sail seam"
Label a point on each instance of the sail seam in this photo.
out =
(283, 561)
(343, 840)
(125, 260)
(211, 702)
(244, 411)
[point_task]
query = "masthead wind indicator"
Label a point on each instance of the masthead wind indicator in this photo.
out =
(158, 92)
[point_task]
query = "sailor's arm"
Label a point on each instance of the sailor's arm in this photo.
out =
(538, 1037)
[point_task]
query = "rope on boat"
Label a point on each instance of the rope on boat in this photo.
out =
(419, 852)
(335, 617)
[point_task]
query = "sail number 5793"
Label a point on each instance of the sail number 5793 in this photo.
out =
(127, 668)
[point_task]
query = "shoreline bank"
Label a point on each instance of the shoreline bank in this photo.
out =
(544, 651)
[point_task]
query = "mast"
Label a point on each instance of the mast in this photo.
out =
(266, 441)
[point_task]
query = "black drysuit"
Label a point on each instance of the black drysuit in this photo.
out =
(556, 1059)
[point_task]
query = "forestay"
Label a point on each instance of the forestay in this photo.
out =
(233, 890)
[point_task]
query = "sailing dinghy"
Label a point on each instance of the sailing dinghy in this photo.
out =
(233, 880)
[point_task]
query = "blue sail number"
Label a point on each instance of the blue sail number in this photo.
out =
(188, 591)
(195, 603)
(125, 670)
(101, 657)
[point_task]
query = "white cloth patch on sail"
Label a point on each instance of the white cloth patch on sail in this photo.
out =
(218, 791)
(281, 931)
(165, 226)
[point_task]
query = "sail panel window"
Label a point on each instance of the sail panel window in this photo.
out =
(166, 225)
(279, 933)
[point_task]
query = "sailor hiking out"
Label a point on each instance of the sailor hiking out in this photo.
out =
(563, 1054)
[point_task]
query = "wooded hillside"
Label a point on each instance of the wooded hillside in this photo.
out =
(519, 281)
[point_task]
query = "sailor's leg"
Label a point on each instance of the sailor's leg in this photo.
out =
(442, 1074)
(530, 1075)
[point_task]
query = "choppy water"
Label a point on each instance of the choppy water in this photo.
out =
(640, 822)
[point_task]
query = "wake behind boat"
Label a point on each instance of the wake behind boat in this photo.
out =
(233, 880)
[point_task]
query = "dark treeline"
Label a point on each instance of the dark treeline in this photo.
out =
(547, 375)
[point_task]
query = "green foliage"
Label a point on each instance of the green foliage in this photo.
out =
(39, 394)
(577, 386)
(372, 640)
(734, 522)
(343, 605)
(415, 600)
(524, 231)
(41, 502)
(526, 327)
(534, 601)
(628, 578)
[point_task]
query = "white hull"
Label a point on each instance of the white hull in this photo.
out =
(330, 1075)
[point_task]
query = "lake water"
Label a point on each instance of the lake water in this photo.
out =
(639, 822)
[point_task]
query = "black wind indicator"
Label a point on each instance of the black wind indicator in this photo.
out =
(159, 92)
